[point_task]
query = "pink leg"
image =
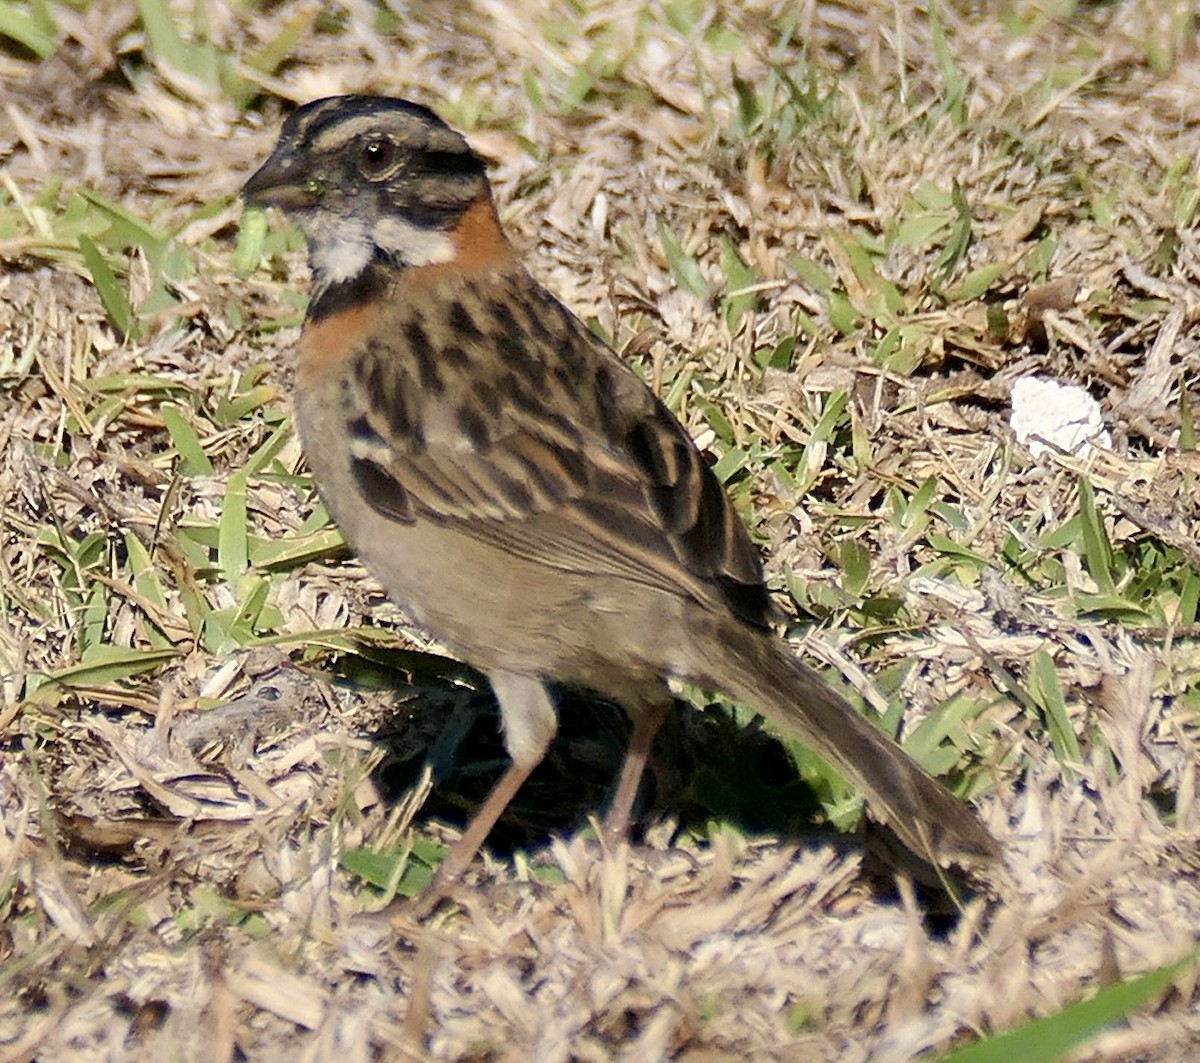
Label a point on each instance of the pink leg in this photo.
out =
(529, 725)
(646, 724)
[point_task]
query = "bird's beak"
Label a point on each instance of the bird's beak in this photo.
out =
(277, 184)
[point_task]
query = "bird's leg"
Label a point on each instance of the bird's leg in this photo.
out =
(529, 724)
(463, 851)
(648, 718)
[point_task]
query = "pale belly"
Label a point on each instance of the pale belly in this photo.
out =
(496, 610)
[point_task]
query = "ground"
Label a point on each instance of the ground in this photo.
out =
(832, 236)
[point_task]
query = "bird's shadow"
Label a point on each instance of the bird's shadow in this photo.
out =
(706, 767)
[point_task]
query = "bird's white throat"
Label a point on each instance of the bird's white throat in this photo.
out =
(340, 248)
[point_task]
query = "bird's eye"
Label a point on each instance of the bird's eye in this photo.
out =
(376, 157)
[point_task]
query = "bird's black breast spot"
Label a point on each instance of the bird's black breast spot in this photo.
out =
(420, 349)
(366, 288)
(462, 321)
(381, 491)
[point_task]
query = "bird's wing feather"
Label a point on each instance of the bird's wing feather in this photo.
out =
(555, 451)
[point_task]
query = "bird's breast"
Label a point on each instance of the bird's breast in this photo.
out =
(328, 345)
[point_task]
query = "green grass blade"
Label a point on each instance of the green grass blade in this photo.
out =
(1047, 691)
(109, 664)
(953, 81)
(127, 228)
(296, 550)
(1051, 1038)
(272, 55)
(17, 26)
(1096, 545)
(112, 295)
(252, 236)
(162, 35)
(233, 545)
(191, 453)
(270, 448)
(395, 872)
(1187, 418)
(684, 268)
(960, 235)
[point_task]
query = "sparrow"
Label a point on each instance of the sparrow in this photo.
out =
(517, 489)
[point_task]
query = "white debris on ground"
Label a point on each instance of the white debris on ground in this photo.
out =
(1047, 414)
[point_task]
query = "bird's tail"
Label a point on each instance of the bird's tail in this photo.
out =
(757, 669)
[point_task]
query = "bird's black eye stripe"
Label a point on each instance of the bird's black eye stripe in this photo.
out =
(448, 163)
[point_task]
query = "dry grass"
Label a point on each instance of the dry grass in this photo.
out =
(832, 234)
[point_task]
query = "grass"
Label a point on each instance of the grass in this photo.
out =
(830, 236)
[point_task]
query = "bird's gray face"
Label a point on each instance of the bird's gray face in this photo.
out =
(367, 177)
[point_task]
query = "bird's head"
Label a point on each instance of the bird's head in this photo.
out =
(368, 179)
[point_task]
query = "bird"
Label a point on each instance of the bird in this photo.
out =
(518, 490)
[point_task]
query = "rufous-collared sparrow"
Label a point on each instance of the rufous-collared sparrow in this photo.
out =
(516, 488)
